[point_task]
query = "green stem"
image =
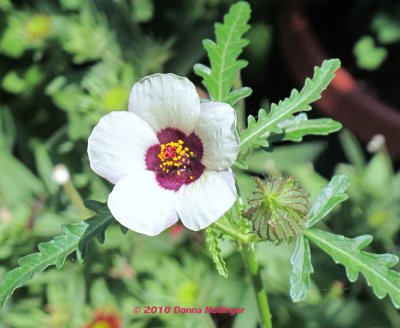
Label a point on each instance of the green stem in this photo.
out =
(235, 234)
(240, 106)
(76, 199)
(230, 231)
(251, 263)
(209, 322)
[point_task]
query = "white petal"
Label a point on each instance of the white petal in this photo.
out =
(166, 100)
(217, 131)
(229, 179)
(118, 144)
(204, 201)
(140, 204)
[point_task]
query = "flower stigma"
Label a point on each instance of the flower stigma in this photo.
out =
(175, 157)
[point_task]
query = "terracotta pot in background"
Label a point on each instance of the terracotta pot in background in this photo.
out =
(344, 100)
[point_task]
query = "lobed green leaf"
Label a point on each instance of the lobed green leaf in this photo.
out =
(258, 130)
(301, 270)
(328, 198)
(76, 238)
(376, 268)
(223, 55)
(296, 128)
(212, 241)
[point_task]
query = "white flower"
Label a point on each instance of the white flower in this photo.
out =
(169, 156)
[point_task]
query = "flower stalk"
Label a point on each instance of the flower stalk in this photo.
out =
(240, 106)
(246, 244)
(62, 177)
(253, 269)
(235, 234)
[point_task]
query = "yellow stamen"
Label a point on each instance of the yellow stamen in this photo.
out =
(173, 156)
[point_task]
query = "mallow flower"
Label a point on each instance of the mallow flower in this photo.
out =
(169, 156)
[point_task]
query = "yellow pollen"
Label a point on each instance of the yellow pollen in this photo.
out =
(173, 156)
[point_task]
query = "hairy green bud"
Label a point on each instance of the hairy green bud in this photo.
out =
(279, 209)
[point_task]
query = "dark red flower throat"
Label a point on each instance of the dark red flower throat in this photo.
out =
(176, 159)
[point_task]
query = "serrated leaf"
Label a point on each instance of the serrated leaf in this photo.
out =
(76, 238)
(202, 70)
(238, 94)
(294, 129)
(251, 120)
(124, 230)
(96, 229)
(328, 198)
(301, 270)
(212, 241)
(95, 206)
(376, 268)
(223, 55)
(297, 102)
(240, 164)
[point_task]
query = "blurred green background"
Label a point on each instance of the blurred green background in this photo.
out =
(66, 63)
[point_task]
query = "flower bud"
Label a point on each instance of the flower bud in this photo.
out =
(279, 209)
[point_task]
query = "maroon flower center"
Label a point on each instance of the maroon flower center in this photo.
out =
(176, 159)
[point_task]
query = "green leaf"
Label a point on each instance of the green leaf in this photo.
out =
(368, 55)
(386, 28)
(296, 128)
(258, 130)
(223, 55)
(8, 131)
(240, 164)
(76, 238)
(352, 149)
(143, 10)
(97, 226)
(238, 94)
(301, 269)
(285, 158)
(88, 37)
(328, 198)
(19, 183)
(376, 268)
(212, 241)
(378, 175)
(19, 81)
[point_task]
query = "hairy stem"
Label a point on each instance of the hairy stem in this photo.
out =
(235, 234)
(253, 269)
(240, 106)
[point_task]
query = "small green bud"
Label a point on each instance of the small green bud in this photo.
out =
(279, 209)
